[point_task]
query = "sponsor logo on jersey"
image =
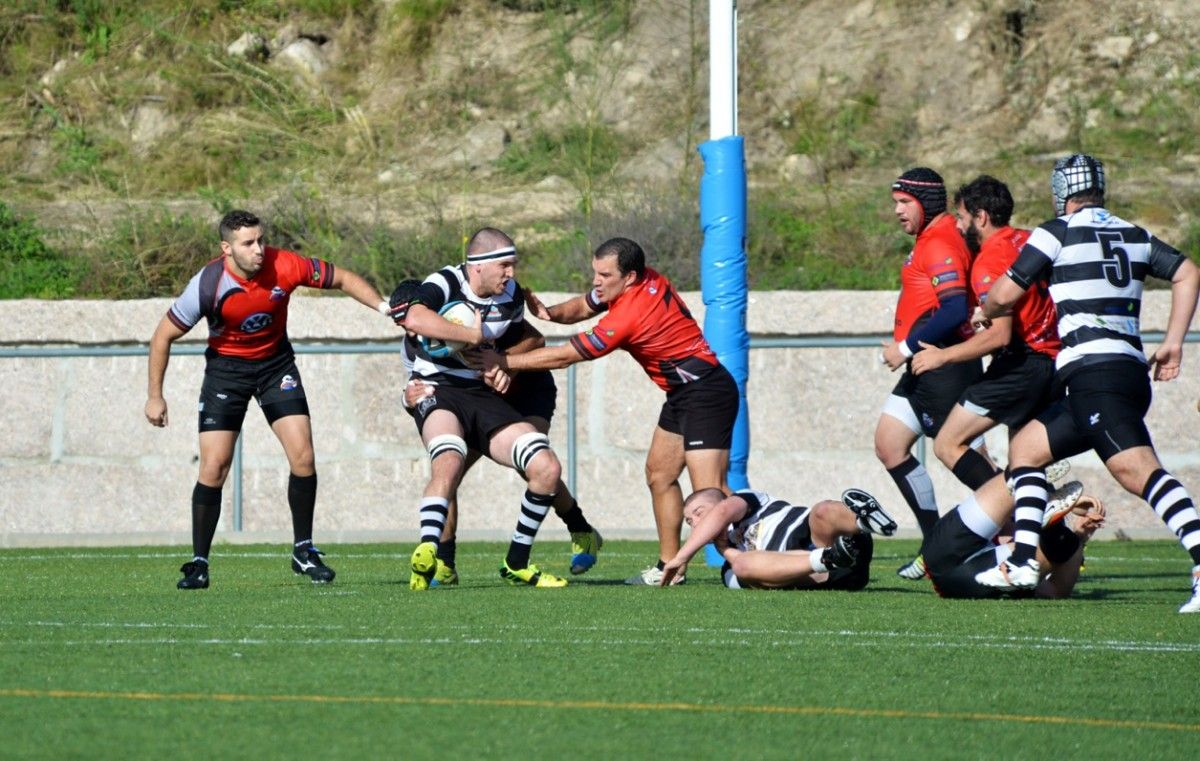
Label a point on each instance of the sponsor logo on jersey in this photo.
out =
(209, 421)
(222, 396)
(1094, 418)
(653, 291)
(926, 421)
(288, 383)
(944, 277)
(987, 278)
(278, 294)
(256, 322)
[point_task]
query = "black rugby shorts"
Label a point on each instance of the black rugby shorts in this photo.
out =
(230, 383)
(1104, 410)
(480, 411)
(1015, 387)
(702, 412)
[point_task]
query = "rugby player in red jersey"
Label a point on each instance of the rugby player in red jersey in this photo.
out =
(645, 316)
(244, 296)
(933, 308)
(1017, 384)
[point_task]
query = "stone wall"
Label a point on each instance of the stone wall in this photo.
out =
(80, 465)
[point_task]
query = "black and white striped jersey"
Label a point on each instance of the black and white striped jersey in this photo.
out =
(503, 318)
(770, 524)
(1097, 264)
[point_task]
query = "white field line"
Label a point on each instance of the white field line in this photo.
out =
(14, 555)
(648, 636)
(222, 555)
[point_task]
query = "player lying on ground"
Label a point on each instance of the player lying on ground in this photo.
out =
(969, 539)
(771, 544)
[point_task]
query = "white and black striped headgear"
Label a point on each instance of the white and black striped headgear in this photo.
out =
(1077, 173)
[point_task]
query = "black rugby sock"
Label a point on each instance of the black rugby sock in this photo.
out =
(447, 549)
(973, 469)
(917, 488)
(206, 512)
(574, 519)
(302, 499)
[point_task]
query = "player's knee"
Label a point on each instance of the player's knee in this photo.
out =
(303, 463)
(533, 458)
(889, 452)
(659, 477)
(214, 473)
(947, 451)
(448, 444)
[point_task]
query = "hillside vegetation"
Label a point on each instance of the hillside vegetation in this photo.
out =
(377, 133)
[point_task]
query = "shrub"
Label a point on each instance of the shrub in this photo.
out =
(28, 267)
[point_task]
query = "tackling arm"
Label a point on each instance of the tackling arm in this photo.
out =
(569, 312)
(356, 287)
(545, 358)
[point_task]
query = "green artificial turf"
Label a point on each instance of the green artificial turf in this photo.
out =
(101, 657)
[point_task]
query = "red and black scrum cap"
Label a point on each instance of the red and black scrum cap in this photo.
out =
(927, 187)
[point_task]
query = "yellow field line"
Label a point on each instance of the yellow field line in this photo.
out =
(597, 705)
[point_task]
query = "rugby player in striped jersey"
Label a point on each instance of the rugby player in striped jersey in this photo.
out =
(1097, 264)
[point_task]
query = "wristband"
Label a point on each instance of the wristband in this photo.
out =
(905, 349)
(384, 308)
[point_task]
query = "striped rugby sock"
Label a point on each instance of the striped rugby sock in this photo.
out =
(534, 508)
(1030, 491)
(1174, 506)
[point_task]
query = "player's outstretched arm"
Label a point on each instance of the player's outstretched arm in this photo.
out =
(545, 358)
(710, 526)
(1185, 287)
(569, 312)
(356, 287)
(165, 334)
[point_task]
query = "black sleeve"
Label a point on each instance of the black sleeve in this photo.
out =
(1165, 260)
(1038, 254)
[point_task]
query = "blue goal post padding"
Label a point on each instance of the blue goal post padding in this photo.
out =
(723, 284)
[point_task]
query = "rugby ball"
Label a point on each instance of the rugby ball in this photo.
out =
(458, 312)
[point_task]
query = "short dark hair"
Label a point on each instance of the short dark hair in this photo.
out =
(1091, 197)
(986, 193)
(710, 492)
(630, 257)
(236, 220)
(486, 238)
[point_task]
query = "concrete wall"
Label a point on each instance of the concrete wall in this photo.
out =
(80, 465)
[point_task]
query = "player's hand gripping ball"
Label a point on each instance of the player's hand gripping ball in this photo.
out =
(458, 312)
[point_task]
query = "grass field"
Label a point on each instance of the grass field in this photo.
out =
(101, 657)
